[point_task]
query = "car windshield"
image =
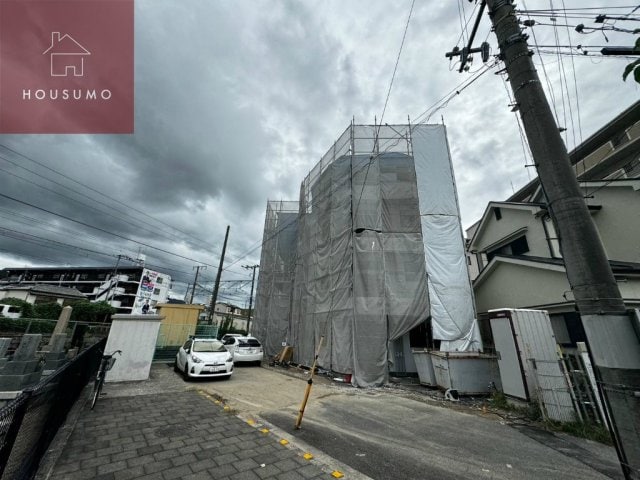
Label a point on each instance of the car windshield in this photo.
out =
(208, 346)
(249, 342)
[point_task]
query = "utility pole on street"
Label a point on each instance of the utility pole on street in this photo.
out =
(195, 281)
(214, 297)
(253, 278)
(613, 338)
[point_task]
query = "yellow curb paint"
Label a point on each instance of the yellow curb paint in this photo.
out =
(284, 442)
(264, 430)
(251, 421)
(337, 474)
(307, 456)
(227, 408)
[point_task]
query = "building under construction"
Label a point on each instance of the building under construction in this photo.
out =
(372, 252)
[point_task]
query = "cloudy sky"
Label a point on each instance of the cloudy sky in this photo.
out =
(236, 101)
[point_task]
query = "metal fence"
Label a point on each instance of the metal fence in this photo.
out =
(79, 334)
(30, 421)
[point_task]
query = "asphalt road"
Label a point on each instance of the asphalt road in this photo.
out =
(384, 433)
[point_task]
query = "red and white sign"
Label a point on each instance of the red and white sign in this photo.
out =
(66, 66)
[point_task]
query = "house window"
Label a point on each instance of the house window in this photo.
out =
(156, 291)
(498, 213)
(519, 246)
(159, 280)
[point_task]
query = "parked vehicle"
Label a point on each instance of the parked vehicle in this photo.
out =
(204, 357)
(245, 349)
(9, 311)
(227, 336)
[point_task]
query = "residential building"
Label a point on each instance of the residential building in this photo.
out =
(42, 293)
(224, 311)
(128, 289)
(513, 251)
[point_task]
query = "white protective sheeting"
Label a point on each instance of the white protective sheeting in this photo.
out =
(358, 276)
(450, 293)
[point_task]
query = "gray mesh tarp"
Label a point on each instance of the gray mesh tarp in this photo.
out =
(359, 276)
(277, 264)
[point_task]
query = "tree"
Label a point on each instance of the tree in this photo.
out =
(633, 66)
(47, 311)
(26, 309)
(85, 311)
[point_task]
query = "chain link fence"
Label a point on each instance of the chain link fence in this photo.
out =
(29, 423)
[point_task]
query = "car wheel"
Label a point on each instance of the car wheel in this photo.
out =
(175, 366)
(186, 372)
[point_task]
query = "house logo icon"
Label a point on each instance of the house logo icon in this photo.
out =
(67, 56)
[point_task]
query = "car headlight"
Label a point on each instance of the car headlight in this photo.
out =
(229, 359)
(196, 359)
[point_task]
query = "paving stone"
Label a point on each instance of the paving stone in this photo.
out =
(105, 476)
(246, 464)
(94, 462)
(129, 473)
(267, 471)
(157, 466)
(203, 464)
(183, 459)
(127, 454)
(227, 449)
(150, 449)
(143, 460)
(246, 475)
(112, 467)
(198, 476)
(224, 459)
(166, 454)
(309, 471)
(286, 465)
(224, 471)
(176, 472)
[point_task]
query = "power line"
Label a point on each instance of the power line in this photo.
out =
(103, 230)
(127, 206)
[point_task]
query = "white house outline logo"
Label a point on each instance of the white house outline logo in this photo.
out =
(67, 56)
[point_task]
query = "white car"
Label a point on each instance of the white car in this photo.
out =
(204, 357)
(245, 349)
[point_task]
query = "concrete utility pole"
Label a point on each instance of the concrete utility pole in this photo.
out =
(613, 341)
(214, 297)
(253, 278)
(195, 281)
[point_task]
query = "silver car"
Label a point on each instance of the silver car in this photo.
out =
(245, 349)
(204, 357)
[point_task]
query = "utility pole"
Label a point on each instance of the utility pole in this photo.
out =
(195, 282)
(253, 278)
(115, 272)
(613, 339)
(214, 297)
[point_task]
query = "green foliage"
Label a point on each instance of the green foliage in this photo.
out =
(633, 66)
(26, 309)
(226, 326)
(85, 311)
(591, 431)
(530, 411)
(50, 311)
(10, 326)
